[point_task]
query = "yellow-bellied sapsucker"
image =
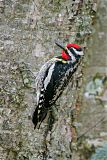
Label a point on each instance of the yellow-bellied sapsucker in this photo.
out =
(52, 79)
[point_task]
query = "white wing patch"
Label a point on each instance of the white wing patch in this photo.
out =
(48, 78)
(38, 95)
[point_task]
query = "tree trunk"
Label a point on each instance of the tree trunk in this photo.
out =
(28, 30)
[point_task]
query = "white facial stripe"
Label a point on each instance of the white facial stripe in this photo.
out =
(71, 55)
(48, 78)
(78, 52)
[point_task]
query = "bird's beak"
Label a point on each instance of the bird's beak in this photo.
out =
(61, 46)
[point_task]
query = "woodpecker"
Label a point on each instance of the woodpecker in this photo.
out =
(52, 79)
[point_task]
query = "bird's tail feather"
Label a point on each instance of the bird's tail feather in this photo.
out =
(38, 116)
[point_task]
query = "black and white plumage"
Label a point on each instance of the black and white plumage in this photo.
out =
(52, 79)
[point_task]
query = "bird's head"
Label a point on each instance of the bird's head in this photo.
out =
(71, 52)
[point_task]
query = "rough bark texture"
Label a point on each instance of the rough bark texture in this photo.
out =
(28, 30)
(93, 116)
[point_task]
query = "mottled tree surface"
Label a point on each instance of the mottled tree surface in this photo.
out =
(93, 116)
(28, 30)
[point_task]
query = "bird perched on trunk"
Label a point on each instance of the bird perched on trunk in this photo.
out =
(52, 79)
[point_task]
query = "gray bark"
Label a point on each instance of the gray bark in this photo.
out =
(28, 30)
